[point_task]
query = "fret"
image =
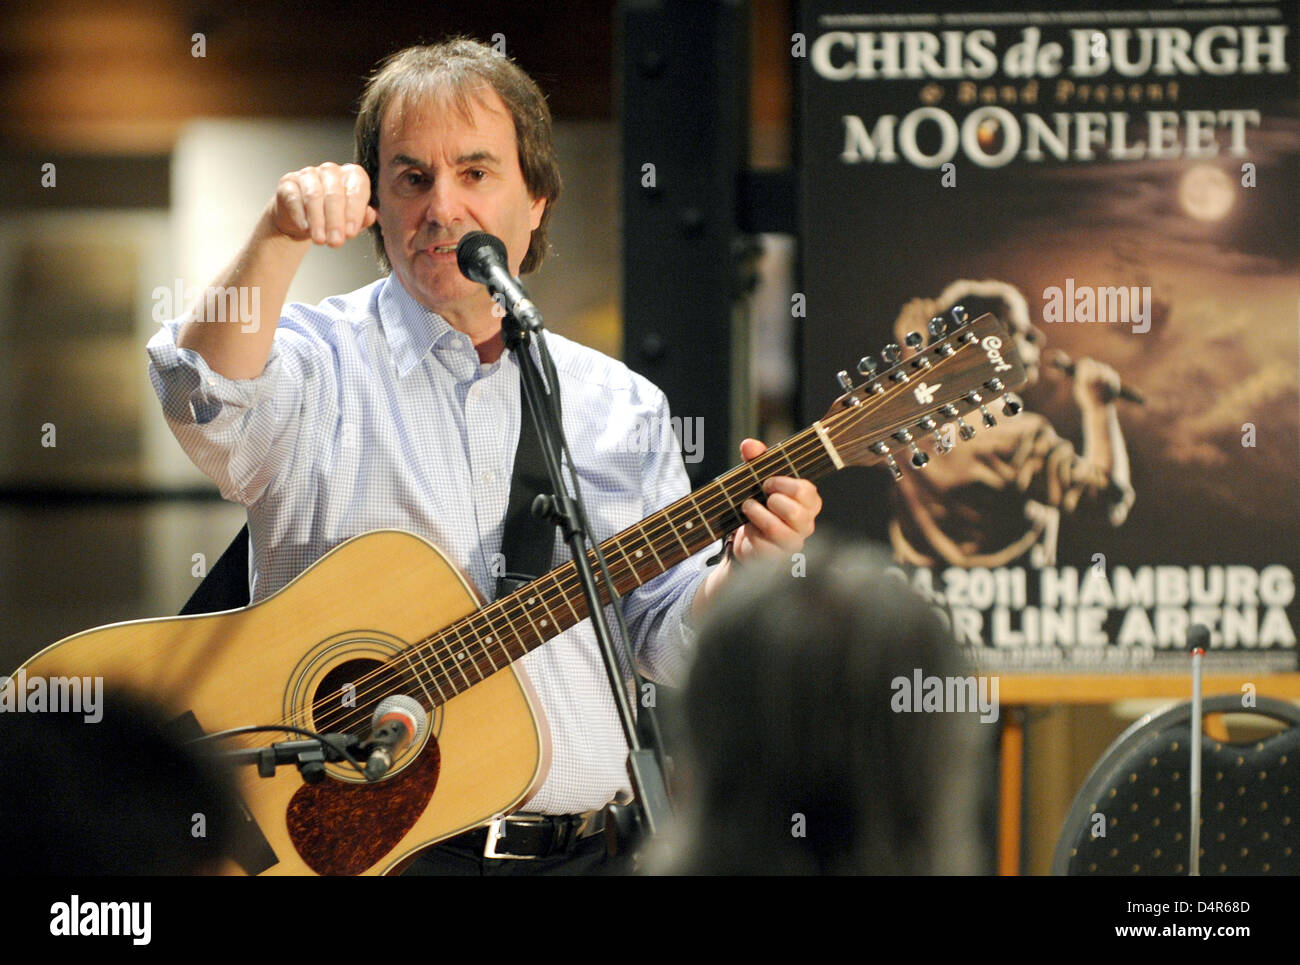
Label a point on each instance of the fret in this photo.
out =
(415, 651)
(630, 565)
(757, 481)
(458, 658)
(487, 641)
(547, 628)
(565, 597)
(703, 519)
(650, 545)
(514, 630)
(786, 456)
(736, 511)
(484, 643)
(668, 517)
(435, 648)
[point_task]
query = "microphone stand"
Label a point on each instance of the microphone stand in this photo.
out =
(645, 767)
(1198, 636)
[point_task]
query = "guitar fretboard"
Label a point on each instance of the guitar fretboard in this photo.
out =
(490, 639)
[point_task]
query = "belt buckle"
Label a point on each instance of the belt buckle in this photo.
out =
(496, 830)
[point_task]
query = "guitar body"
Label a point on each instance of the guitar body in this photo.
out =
(286, 660)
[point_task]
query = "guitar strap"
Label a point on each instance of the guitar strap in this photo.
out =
(527, 542)
(226, 585)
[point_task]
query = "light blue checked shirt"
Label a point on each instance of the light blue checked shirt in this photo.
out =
(372, 413)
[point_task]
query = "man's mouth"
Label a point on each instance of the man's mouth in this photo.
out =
(447, 249)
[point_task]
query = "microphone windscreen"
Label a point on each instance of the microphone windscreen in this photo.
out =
(408, 707)
(477, 252)
(1198, 637)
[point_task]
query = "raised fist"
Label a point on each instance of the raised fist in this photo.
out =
(327, 204)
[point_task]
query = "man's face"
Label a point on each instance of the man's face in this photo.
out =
(441, 177)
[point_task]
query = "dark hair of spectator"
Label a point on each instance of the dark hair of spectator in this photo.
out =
(797, 763)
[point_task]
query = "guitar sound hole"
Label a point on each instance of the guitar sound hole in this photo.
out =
(347, 696)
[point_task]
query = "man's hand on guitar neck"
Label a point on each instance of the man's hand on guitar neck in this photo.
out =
(776, 529)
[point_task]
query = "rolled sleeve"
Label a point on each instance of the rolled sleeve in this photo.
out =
(239, 432)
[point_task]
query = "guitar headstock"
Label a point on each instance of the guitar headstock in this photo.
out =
(925, 388)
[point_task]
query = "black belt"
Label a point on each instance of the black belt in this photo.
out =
(528, 836)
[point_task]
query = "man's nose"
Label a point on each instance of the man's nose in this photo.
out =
(445, 205)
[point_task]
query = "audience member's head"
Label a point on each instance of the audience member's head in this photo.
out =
(797, 759)
(121, 794)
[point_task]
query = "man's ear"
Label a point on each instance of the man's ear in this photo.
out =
(535, 212)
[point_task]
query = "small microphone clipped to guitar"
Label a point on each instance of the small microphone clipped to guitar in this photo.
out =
(398, 722)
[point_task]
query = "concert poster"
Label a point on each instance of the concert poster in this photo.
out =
(1118, 184)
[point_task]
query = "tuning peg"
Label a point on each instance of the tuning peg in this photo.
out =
(995, 384)
(952, 412)
(846, 384)
(959, 315)
(914, 341)
(941, 445)
(867, 366)
(937, 326)
(919, 459)
(891, 353)
(881, 449)
(978, 400)
(1011, 404)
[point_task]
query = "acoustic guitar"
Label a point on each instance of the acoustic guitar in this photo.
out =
(386, 613)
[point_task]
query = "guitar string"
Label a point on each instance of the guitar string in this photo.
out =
(496, 617)
(560, 579)
(563, 579)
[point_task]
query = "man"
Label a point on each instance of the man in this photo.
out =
(996, 499)
(396, 406)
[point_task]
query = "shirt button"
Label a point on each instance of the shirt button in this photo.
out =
(489, 476)
(457, 343)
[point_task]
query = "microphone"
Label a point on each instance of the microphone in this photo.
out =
(482, 258)
(1063, 362)
(397, 722)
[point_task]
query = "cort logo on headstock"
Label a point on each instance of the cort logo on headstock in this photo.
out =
(992, 346)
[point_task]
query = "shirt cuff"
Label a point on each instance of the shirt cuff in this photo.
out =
(191, 390)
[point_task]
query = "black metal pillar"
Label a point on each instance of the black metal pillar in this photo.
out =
(684, 110)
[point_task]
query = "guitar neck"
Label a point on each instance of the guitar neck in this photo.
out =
(956, 375)
(489, 639)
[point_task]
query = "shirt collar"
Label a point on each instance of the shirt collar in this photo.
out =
(412, 330)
